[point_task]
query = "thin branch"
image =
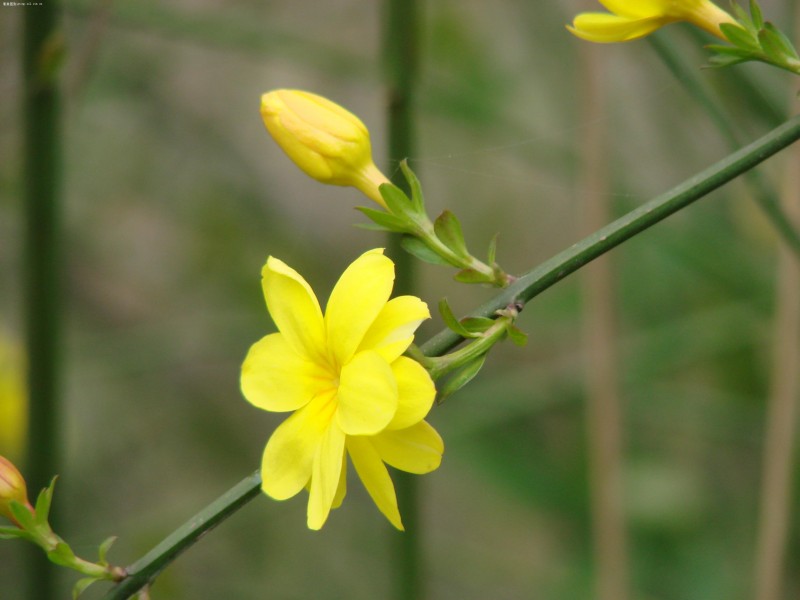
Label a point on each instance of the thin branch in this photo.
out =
(524, 289)
(763, 193)
(147, 568)
(570, 260)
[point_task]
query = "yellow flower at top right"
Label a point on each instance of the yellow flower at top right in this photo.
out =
(633, 19)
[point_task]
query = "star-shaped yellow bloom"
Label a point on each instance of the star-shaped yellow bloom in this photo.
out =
(633, 19)
(352, 391)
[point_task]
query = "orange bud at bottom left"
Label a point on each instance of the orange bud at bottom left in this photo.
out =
(12, 487)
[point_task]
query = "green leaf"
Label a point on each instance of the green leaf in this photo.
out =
(740, 37)
(418, 248)
(417, 201)
(81, 586)
(102, 551)
(448, 229)
(732, 51)
(740, 15)
(451, 321)
(755, 14)
(517, 336)
(384, 220)
(722, 60)
(776, 43)
(395, 199)
(10, 533)
(43, 502)
(460, 378)
(477, 324)
(472, 276)
(22, 515)
(492, 251)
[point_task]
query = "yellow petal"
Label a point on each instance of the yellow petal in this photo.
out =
(637, 9)
(415, 393)
(605, 28)
(341, 491)
(393, 329)
(417, 449)
(294, 308)
(289, 455)
(373, 474)
(358, 297)
(367, 396)
(325, 476)
(275, 378)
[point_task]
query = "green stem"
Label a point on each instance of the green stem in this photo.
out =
(524, 289)
(763, 193)
(41, 192)
(570, 260)
(438, 366)
(427, 234)
(143, 571)
(401, 56)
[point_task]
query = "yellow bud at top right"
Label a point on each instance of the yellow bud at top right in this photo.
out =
(634, 19)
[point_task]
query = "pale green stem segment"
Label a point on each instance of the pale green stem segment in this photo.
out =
(143, 571)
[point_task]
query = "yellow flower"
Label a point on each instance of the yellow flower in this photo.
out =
(326, 141)
(633, 19)
(13, 399)
(352, 391)
(12, 487)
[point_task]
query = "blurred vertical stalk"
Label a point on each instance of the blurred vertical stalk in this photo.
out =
(779, 436)
(603, 418)
(41, 54)
(401, 22)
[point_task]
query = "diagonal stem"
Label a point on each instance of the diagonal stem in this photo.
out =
(638, 220)
(147, 568)
(143, 571)
(763, 193)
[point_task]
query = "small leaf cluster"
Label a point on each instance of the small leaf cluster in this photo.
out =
(441, 242)
(754, 39)
(34, 527)
(462, 366)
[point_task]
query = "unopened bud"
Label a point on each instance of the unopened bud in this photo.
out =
(12, 487)
(329, 143)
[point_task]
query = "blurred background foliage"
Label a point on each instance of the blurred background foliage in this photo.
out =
(175, 195)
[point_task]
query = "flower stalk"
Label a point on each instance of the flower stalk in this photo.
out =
(31, 523)
(440, 242)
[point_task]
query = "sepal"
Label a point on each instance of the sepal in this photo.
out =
(460, 378)
(754, 39)
(420, 249)
(448, 228)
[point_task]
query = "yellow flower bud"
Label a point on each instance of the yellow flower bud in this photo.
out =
(633, 19)
(326, 141)
(12, 487)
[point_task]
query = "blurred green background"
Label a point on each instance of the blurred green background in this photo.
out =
(175, 195)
